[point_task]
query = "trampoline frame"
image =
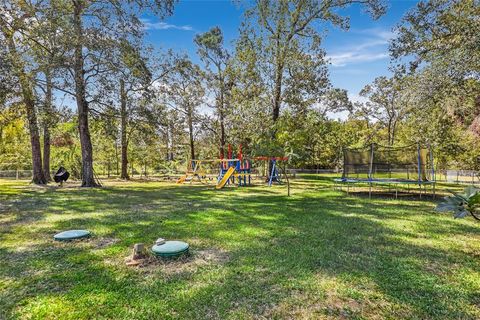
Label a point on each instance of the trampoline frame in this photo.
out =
(370, 181)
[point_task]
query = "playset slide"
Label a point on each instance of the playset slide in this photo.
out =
(182, 179)
(225, 178)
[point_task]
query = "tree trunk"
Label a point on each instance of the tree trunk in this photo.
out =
(46, 126)
(277, 97)
(38, 175)
(88, 179)
(394, 129)
(221, 112)
(222, 133)
(29, 102)
(277, 94)
(172, 140)
(46, 153)
(116, 157)
(190, 132)
(123, 130)
(389, 132)
(167, 141)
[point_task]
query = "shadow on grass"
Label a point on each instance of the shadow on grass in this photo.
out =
(278, 248)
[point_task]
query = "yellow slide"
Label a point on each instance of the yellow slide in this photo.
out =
(225, 178)
(182, 179)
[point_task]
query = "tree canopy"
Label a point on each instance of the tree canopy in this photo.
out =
(138, 109)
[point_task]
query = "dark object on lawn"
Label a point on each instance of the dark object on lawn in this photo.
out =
(61, 175)
(71, 235)
(170, 249)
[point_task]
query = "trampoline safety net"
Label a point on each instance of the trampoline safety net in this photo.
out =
(410, 163)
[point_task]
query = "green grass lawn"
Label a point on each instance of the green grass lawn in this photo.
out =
(255, 253)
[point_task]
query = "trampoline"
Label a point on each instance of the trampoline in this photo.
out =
(378, 165)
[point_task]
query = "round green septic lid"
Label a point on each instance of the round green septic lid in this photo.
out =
(170, 248)
(71, 235)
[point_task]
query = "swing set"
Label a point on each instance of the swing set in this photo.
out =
(272, 170)
(234, 171)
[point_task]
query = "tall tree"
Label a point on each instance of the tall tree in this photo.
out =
(285, 31)
(217, 59)
(438, 41)
(48, 111)
(138, 76)
(443, 32)
(48, 53)
(387, 103)
(95, 27)
(185, 93)
(14, 27)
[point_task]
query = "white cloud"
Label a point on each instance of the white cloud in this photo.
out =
(148, 25)
(356, 98)
(342, 59)
(352, 71)
(373, 47)
(371, 44)
(377, 32)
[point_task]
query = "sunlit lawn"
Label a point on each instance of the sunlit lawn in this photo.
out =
(255, 253)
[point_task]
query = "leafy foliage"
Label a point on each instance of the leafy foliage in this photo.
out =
(462, 204)
(269, 93)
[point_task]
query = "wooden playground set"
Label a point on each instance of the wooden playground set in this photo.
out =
(239, 171)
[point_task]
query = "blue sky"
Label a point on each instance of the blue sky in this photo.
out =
(358, 56)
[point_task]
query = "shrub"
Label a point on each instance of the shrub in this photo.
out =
(462, 204)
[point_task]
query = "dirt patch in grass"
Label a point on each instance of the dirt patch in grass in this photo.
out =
(187, 263)
(100, 243)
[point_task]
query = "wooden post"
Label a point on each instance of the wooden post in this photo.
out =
(286, 178)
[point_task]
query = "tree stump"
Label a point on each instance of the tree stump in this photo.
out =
(138, 251)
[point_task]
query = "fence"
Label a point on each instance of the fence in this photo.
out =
(316, 171)
(28, 174)
(16, 174)
(458, 176)
(448, 176)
